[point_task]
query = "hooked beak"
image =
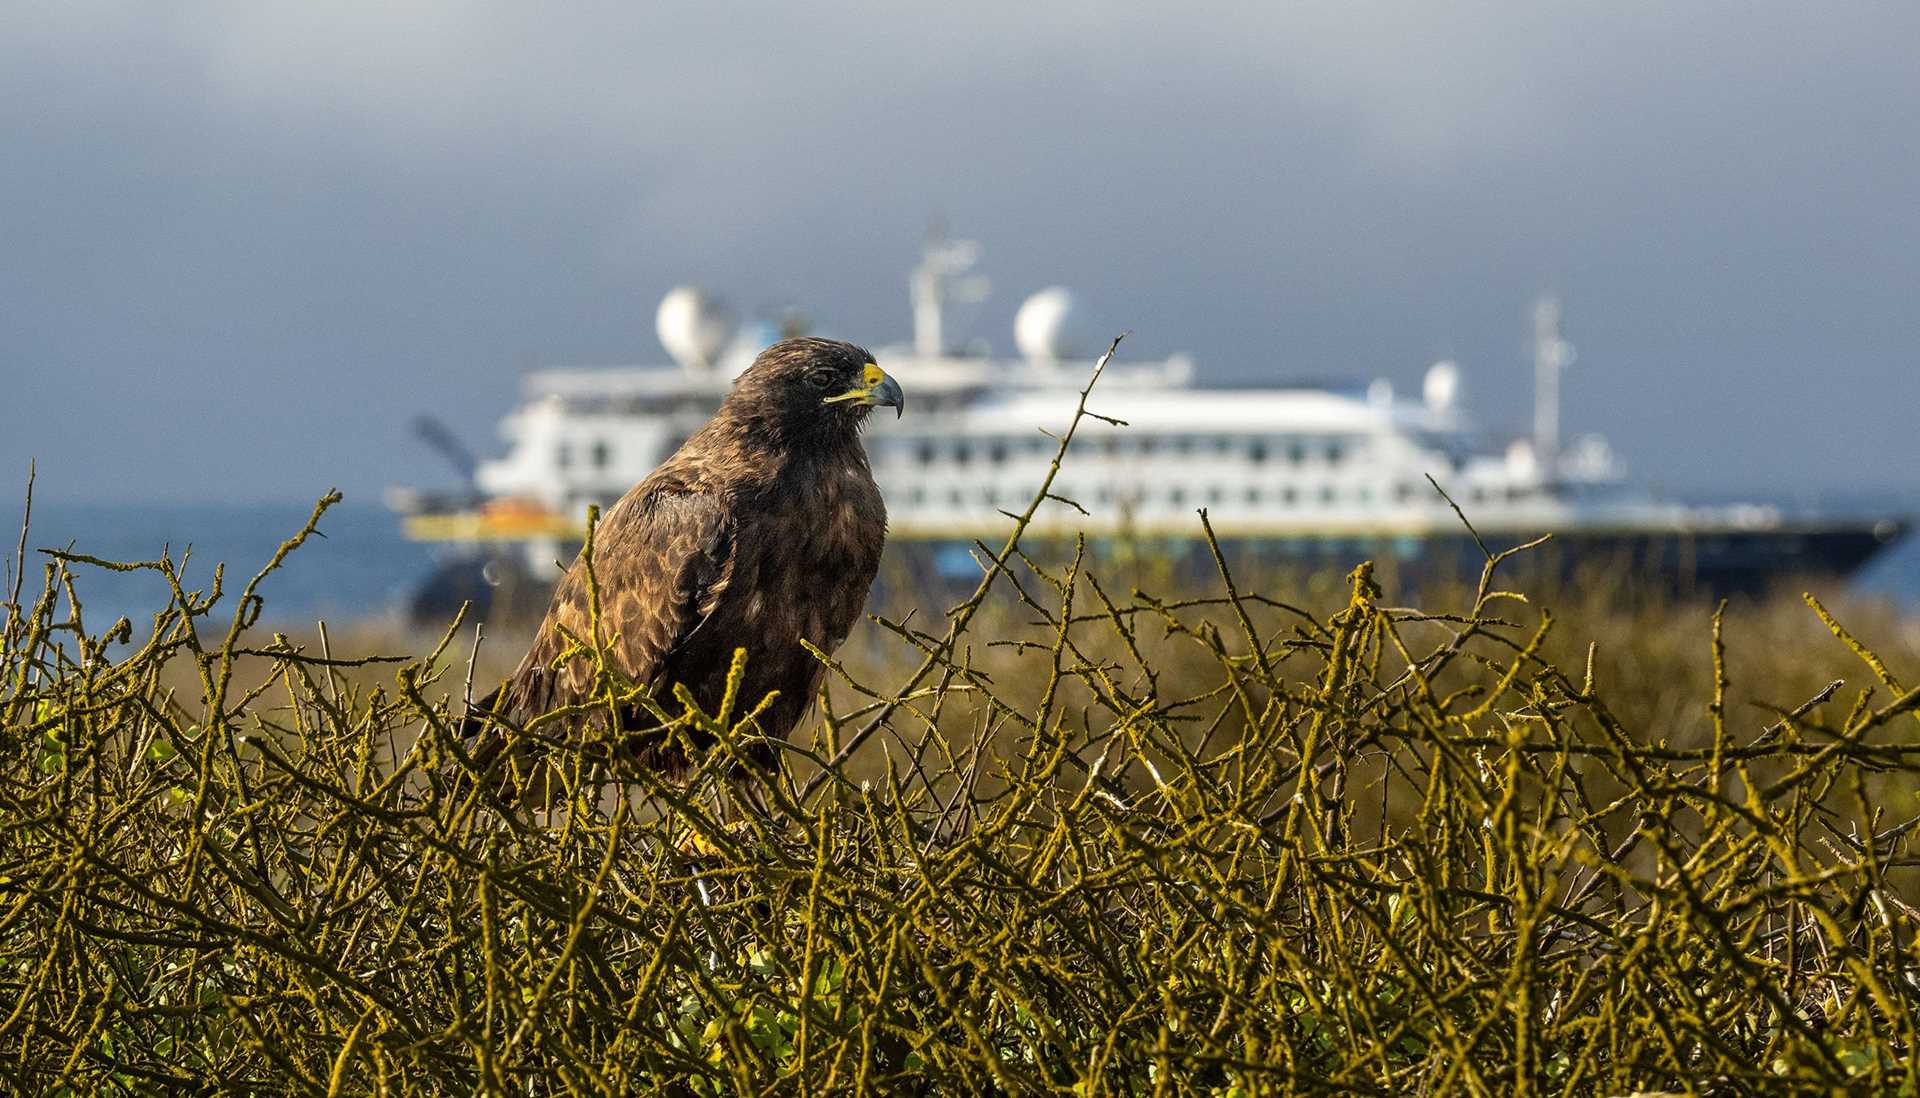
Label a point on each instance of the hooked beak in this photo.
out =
(887, 394)
(876, 390)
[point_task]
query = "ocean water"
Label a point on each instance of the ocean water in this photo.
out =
(362, 568)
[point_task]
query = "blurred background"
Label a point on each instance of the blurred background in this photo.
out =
(245, 245)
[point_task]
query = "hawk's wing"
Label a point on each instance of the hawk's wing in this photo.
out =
(662, 557)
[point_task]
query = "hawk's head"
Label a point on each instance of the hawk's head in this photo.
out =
(810, 384)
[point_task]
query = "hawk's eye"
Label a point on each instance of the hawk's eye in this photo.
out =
(820, 379)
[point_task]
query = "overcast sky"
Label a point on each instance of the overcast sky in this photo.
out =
(241, 245)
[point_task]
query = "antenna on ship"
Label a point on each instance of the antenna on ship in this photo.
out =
(1551, 354)
(941, 279)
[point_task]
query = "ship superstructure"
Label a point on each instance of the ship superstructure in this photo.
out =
(1292, 469)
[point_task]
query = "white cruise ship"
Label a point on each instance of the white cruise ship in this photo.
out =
(1293, 472)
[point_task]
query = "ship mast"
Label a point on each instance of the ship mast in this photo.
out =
(1551, 354)
(941, 279)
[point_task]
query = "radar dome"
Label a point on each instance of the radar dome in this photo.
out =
(693, 326)
(1442, 386)
(1044, 329)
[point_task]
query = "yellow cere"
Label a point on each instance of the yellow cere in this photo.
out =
(870, 377)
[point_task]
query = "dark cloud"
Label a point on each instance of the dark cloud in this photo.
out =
(245, 243)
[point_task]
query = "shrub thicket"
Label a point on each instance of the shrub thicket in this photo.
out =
(1126, 844)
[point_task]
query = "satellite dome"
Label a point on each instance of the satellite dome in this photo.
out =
(1442, 386)
(1522, 462)
(1044, 328)
(693, 326)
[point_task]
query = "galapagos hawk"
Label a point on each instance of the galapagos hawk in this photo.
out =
(762, 530)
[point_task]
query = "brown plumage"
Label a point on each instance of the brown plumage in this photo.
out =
(764, 528)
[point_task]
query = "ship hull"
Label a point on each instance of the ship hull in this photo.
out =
(1684, 563)
(1677, 563)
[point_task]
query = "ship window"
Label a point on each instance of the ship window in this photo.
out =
(1253, 495)
(1326, 493)
(564, 456)
(923, 453)
(1296, 452)
(916, 495)
(962, 453)
(1333, 451)
(1147, 444)
(1479, 495)
(1258, 452)
(602, 453)
(1403, 492)
(1177, 496)
(953, 496)
(1183, 445)
(1214, 495)
(1363, 495)
(997, 452)
(1290, 494)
